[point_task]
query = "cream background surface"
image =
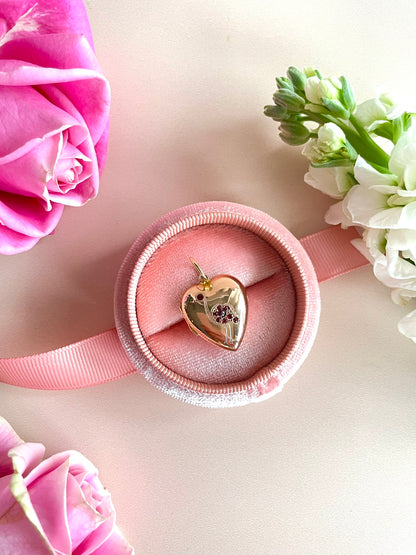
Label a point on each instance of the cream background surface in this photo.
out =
(328, 465)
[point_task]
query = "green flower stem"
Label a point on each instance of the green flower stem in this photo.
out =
(357, 137)
(381, 157)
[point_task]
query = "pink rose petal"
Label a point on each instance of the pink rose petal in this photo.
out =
(12, 242)
(48, 465)
(27, 215)
(56, 101)
(86, 181)
(57, 506)
(8, 439)
(46, 16)
(83, 519)
(18, 536)
(101, 148)
(6, 497)
(87, 89)
(116, 544)
(48, 496)
(97, 537)
(18, 488)
(29, 454)
(37, 165)
(32, 118)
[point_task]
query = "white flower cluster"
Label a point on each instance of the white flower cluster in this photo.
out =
(382, 201)
(365, 157)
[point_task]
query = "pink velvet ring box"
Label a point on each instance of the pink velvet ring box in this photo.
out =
(283, 304)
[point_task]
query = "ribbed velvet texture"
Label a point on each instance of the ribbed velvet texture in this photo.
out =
(219, 249)
(283, 300)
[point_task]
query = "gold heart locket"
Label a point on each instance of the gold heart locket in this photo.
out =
(216, 309)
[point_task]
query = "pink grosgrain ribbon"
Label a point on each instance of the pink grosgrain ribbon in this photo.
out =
(101, 358)
(332, 253)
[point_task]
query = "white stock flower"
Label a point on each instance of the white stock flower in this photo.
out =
(403, 159)
(363, 204)
(393, 255)
(330, 145)
(334, 182)
(407, 325)
(376, 111)
(335, 215)
(386, 200)
(316, 89)
(385, 204)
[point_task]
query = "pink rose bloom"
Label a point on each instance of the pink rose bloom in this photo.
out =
(56, 506)
(54, 105)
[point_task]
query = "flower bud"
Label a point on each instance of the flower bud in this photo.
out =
(336, 108)
(276, 112)
(297, 77)
(336, 81)
(310, 72)
(312, 90)
(290, 100)
(284, 83)
(331, 137)
(376, 111)
(327, 89)
(292, 140)
(316, 108)
(317, 89)
(331, 148)
(294, 133)
(347, 94)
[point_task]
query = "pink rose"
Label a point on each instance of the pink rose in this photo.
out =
(56, 506)
(54, 105)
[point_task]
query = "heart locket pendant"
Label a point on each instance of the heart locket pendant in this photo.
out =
(216, 309)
